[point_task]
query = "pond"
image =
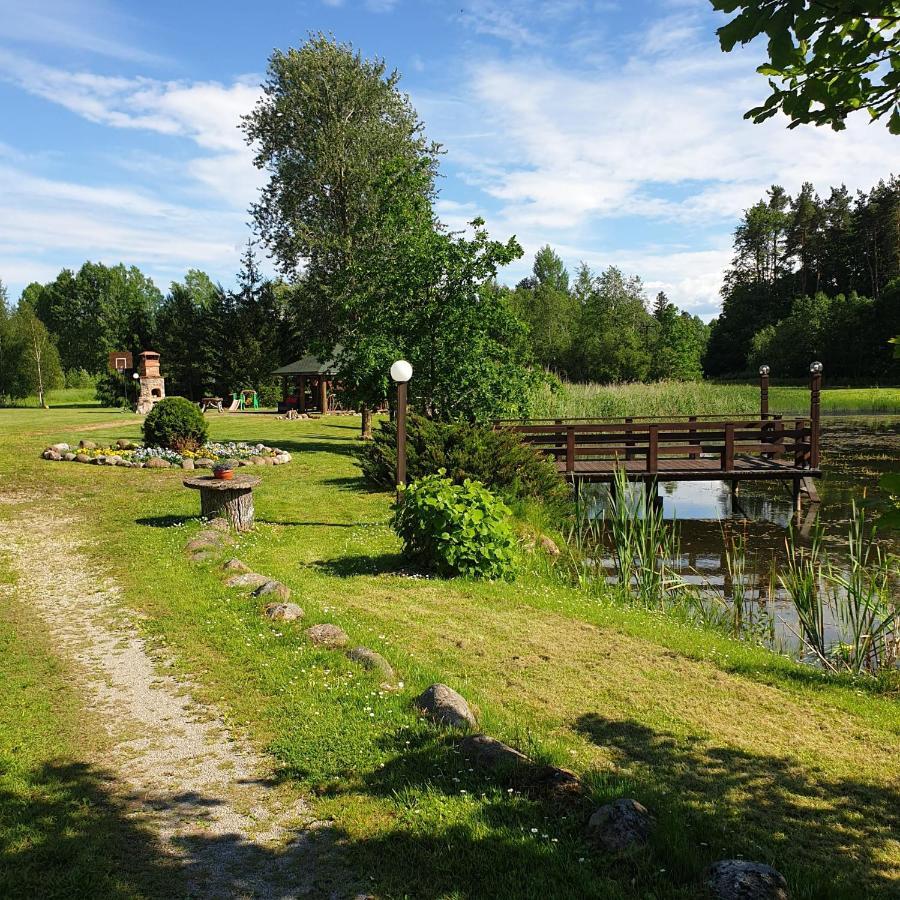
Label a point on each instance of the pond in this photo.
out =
(856, 453)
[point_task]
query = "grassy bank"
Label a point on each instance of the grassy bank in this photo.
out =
(670, 398)
(738, 751)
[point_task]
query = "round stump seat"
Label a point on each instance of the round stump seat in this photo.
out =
(231, 499)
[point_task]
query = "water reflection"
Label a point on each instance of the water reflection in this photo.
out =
(855, 454)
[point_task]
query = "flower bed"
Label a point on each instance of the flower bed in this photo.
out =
(127, 454)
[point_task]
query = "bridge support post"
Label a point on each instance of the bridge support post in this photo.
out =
(797, 495)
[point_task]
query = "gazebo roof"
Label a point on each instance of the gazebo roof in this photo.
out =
(307, 365)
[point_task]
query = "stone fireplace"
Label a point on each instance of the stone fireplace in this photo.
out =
(152, 384)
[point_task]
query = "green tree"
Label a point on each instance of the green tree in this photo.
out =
(38, 368)
(826, 59)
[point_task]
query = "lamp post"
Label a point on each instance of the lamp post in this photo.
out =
(136, 377)
(763, 392)
(401, 372)
(815, 388)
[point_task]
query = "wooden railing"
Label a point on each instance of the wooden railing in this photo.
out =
(687, 437)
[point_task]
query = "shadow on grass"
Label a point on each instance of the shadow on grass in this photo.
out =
(66, 834)
(839, 829)
(378, 564)
(355, 484)
(165, 521)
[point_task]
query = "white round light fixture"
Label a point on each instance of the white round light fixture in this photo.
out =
(815, 368)
(401, 371)
(763, 370)
(135, 376)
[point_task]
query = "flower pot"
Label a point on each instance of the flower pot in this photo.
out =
(224, 475)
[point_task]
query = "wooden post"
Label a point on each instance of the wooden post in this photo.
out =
(570, 449)
(815, 389)
(323, 394)
(628, 443)
(401, 433)
(694, 454)
(728, 454)
(653, 450)
(801, 455)
(763, 392)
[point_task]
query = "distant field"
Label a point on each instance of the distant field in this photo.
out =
(672, 398)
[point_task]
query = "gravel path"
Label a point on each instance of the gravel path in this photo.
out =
(209, 799)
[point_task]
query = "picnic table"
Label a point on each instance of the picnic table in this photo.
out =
(230, 499)
(211, 403)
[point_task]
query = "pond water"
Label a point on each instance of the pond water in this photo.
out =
(856, 453)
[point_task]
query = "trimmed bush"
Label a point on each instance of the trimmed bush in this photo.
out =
(498, 459)
(455, 529)
(175, 423)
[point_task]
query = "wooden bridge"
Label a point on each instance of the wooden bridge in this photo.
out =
(687, 448)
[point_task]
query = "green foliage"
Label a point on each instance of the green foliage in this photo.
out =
(455, 529)
(29, 360)
(175, 423)
(116, 390)
(826, 60)
(498, 459)
(80, 378)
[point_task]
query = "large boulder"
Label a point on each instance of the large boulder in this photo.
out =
(204, 463)
(373, 662)
(52, 454)
(274, 589)
(283, 612)
(489, 753)
(60, 448)
(246, 580)
(187, 464)
(87, 445)
(328, 635)
(82, 458)
(113, 460)
(235, 565)
(621, 825)
(68, 457)
(156, 463)
(739, 879)
(446, 707)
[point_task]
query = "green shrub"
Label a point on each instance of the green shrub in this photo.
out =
(175, 423)
(80, 378)
(455, 529)
(115, 390)
(498, 459)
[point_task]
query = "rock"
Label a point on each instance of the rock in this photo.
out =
(621, 825)
(490, 753)
(124, 444)
(200, 543)
(443, 705)
(52, 454)
(256, 461)
(202, 555)
(98, 460)
(275, 588)
(69, 457)
(246, 580)
(738, 879)
(235, 565)
(214, 534)
(283, 612)
(187, 464)
(244, 462)
(327, 635)
(124, 463)
(203, 463)
(82, 458)
(285, 456)
(548, 545)
(156, 463)
(60, 448)
(87, 445)
(113, 460)
(373, 662)
(268, 460)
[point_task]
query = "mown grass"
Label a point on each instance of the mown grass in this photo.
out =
(738, 751)
(62, 834)
(673, 398)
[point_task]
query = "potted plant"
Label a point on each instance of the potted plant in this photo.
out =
(224, 471)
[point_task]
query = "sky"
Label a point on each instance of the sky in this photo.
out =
(610, 129)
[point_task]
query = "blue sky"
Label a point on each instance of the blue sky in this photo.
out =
(611, 129)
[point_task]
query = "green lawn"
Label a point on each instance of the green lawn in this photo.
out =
(738, 751)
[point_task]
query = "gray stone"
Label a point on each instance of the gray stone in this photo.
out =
(203, 463)
(156, 463)
(52, 454)
(256, 461)
(124, 463)
(283, 612)
(274, 588)
(98, 460)
(187, 464)
(372, 661)
(201, 543)
(60, 448)
(125, 444)
(489, 753)
(738, 879)
(327, 635)
(82, 458)
(87, 445)
(446, 707)
(68, 457)
(621, 825)
(246, 580)
(235, 565)
(113, 460)
(244, 462)
(214, 534)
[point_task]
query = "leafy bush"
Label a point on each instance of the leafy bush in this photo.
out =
(114, 390)
(175, 423)
(80, 378)
(498, 459)
(455, 529)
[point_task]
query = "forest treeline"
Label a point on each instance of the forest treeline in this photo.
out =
(810, 279)
(813, 278)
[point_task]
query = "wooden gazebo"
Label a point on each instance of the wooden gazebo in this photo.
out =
(307, 383)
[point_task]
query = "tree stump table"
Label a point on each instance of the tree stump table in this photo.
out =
(231, 498)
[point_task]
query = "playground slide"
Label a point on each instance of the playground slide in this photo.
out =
(235, 406)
